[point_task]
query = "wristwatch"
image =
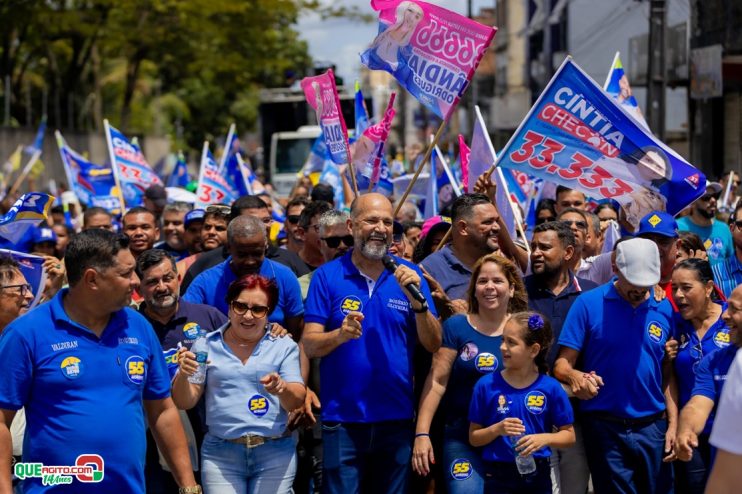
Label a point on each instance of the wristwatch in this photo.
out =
(194, 489)
(422, 310)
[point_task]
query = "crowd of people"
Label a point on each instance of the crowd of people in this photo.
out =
(362, 348)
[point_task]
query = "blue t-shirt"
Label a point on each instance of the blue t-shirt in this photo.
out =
(717, 238)
(691, 351)
(476, 355)
(236, 401)
(711, 376)
(541, 406)
(210, 288)
(446, 269)
(616, 340)
(83, 394)
(368, 379)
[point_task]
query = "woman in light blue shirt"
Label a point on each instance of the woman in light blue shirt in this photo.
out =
(252, 380)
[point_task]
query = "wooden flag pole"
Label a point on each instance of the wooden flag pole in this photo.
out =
(445, 238)
(24, 173)
(420, 167)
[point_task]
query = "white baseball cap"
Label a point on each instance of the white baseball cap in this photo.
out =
(638, 260)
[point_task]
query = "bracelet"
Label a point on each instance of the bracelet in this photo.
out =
(422, 434)
(195, 489)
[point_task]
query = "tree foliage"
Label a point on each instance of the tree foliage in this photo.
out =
(157, 66)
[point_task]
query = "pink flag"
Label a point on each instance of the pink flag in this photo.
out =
(464, 157)
(431, 51)
(371, 144)
(322, 95)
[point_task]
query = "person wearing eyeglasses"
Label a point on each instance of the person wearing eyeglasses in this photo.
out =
(399, 245)
(335, 240)
(597, 268)
(308, 233)
(252, 381)
(702, 221)
(728, 273)
(293, 215)
(700, 330)
(15, 293)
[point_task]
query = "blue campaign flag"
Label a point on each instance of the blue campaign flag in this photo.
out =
(447, 189)
(230, 167)
(331, 176)
(617, 86)
(577, 136)
(317, 156)
(362, 120)
(133, 172)
(94, 185)
(26, 212)
(38, 141)
(482, 154)
(32, 268)
(179, 176)
(212, 187)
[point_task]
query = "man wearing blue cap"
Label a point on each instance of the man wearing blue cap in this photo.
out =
(662, 229)
(192, 224)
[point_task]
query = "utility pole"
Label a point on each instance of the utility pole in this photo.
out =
(656, 80)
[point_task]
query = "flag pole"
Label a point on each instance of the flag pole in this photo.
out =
(352, 170)
(24, 173)
(425, 159)
(114, 166)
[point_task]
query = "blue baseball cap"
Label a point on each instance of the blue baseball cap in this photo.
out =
(658, 222)
(193, 215)
(43, 234)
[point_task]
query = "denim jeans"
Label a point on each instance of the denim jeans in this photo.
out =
(627, 459)
(462, 463)
(504, 478)
(372, 458)
(229, 468)
(691, 476)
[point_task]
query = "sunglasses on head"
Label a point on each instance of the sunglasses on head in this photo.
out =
(219, 209)
(241, 309)
(293, 218)
(334, 242)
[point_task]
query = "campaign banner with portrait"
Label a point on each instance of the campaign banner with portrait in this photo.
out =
(95, 185)
(133, 172)
(577, 136)
(431, 51)
(368, 148)
(322, 95)
(618, 87)
(212, 187)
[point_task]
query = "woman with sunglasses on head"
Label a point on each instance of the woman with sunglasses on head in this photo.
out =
(699, 330)
(252, 381)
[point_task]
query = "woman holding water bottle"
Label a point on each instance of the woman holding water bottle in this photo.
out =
(250, 379)
(513, 413)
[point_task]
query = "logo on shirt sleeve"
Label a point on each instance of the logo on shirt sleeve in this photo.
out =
(71, 367)
(486, 362)
(722, 339)
(461, 469)
(655, 331)
(191, 330)
(535, 402)
(351, 303)
(258, 405)
(136, 369)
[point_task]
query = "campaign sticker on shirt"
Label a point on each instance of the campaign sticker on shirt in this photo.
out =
(258, 405)
(461, 469)
(351, 303)
(502, 405)
(722, 339)
(191, 330)
(468, 352)
(486, 362)
(654, 330)
(71, 367)
(135, 369)
(536, 402)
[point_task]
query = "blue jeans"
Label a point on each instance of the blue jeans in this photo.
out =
(229, 468)
(504, 478)
(462, 463)
(366, 457)
(627, 459)
(691, 476)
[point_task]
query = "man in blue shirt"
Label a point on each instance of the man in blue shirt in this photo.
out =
(715, 234)
(728, 273)
(364, 325)
(618, 333)
(86, 368)
(246, 241)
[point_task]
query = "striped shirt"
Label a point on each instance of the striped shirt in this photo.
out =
(728, 274)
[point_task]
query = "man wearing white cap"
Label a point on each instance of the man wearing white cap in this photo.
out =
(715, 234)
(618, 332)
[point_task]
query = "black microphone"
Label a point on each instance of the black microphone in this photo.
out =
(391, 265)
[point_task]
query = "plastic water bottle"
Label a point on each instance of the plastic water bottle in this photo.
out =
(202, 356)
(526, 464)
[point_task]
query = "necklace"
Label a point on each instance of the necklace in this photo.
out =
(236, 340)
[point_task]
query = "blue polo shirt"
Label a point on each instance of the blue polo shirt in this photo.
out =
(691, 351)
(447, 270)
(476, 355)
(555, 307)
(83, 394)
(183, 328)
(716, 238)
(210, 288)
(617, 341)
(236, 401)
(711, 376)
(728, 274)
(541, 406)
(368, 379)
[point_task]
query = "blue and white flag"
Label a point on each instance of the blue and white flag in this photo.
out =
(505, 206)
(230, 166)
(38, 141)
(331, 176)
(362, 120)
(131, 168)
(212, 187)
(28, 211)
(94, 185)
(179, 175)
(447, 187)
(317, 156)
(481, 153)
(32, 268)
(617, 86)
(577, 136)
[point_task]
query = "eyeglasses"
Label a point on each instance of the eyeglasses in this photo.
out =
(241, 309)
(219, 209)
(708, 197)
(293, 218)
(737, 223)
(539, 221)
(578, 223)
(334, 242)
(25, 288)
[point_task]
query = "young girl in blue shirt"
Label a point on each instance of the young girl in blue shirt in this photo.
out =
(520, 411)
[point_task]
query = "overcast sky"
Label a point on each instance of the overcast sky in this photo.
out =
(341, 41)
